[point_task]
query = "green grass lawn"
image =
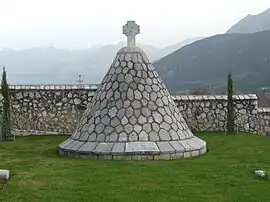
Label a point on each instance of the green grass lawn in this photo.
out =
(223, 174)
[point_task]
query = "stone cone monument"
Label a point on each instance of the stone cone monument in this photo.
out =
(132, 115)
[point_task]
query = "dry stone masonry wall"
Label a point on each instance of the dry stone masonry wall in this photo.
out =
(51, 108)
(262, 121)
(209, 113)
(57, 108)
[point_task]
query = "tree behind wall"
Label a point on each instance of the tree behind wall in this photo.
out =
(5, 127)
(230, 110)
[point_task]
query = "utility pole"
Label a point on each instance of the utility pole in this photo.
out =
(80, 81)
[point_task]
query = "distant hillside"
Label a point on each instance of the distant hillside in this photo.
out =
(52, 65)
(169, 49)
(94, 63)
(252, 23)
(58, 66)
(206, 63)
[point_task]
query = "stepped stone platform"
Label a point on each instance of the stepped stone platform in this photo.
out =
(132, 116)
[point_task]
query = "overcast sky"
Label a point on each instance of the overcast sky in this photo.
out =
(83, 23)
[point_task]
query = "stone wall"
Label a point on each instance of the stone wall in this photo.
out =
(57, 108)
(262, 121)
(209, 113)
(51, 108)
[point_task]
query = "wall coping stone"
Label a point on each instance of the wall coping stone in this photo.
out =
(213, 97)
(18, 132)
(264, 110)
(54, 87)
(95, 87)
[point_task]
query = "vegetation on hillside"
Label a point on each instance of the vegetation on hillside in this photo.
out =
(204, 63)
(252, 23)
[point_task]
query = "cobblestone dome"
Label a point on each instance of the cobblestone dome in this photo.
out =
(132, 116)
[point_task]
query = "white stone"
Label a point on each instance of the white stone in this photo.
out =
(127, 57)
(188, 154)
(134, 58)
(88, 147)
(77, 101)
(177, 147)
(164, 135)
(203, 115)
(133, 137)
(128, 128)
(239, 106)
(143, 136)
(130, 65)
(137, 128)
(124, 120)
(4, 174)
(133, 120)
(153, 136)
(246, 126)
(142, 120)
(165, 147)
(193, 144)
(65, 143)
(138, 95)
(123, 137)
(242, 111)
(78, 144)
(133, 147)
(260, 173)
(220, 106)
(104, 148)
(71, 145)
(162, 157)
(113, 112)
(118, 148)
(128, 78)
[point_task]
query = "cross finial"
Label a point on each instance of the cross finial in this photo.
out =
(131, 29)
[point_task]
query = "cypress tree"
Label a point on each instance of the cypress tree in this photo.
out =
(230, 111)
(6, 127)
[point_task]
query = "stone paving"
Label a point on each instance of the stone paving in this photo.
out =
(132, 115)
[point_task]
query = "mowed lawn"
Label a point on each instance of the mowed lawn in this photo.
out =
(223, 174)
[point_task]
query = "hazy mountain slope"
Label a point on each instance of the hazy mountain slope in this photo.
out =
(252, 23)
(205, 63)
(52, 65)
(95, 65)
(169, 49)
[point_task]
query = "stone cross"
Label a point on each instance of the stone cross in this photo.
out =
(131, 29)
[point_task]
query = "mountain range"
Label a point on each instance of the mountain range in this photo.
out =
(194, 63)
(204, 64)
(252, 23)
(59, 66)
